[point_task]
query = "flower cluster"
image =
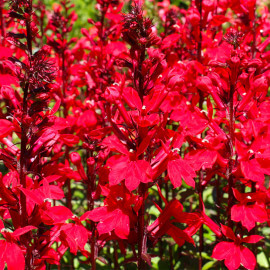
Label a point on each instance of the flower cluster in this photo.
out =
(142, 140)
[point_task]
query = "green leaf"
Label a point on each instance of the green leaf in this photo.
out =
(262, 260)
(209, 265)
(154, 211)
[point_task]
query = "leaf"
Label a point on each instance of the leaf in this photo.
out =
(262, 260)
(209, 265)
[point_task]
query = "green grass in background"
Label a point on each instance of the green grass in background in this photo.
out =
(86, 9)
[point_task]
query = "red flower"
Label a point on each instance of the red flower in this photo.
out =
(10, 252)
(117, 214)
(250, 210)
(127, 166)
(234, 253)
(179, 168)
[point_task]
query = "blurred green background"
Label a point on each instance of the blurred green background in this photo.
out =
(87, 9)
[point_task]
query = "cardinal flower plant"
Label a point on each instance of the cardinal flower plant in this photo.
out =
(140, 140)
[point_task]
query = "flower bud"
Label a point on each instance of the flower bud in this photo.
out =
(112, 93)
(90, 161)
(175, 81)
(254, 63)
(75, 158)
(194, 18)
(208, 5)
(204, 84)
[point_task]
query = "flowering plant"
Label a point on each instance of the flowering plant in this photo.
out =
(142, 141)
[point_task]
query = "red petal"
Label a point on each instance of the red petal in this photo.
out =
(116, 48)
(178, 169)
(258, 213)
(138, 171)
(228, 232)
(239, 196)
(96, 215)
(1, 226)
(14, 257)
(23, 230)
(5, 52)
(229, 252)
(222, 250)
(218, 20)
(211, 225)
(76, 236)
(114, 144)
(122, 227)
(133, 176)
(248, 215)
(146, 170)
(68, 241)
(5, 128)
(251, 170)
(87, 119)
(32, 195)
(237, 212)
(247, 258)
(233, 259)
(252, 239)
(118, 172)
(170, 41)
(7, 79)
(179, 236)
(201, 158)
(57, 214)
(109, 223)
